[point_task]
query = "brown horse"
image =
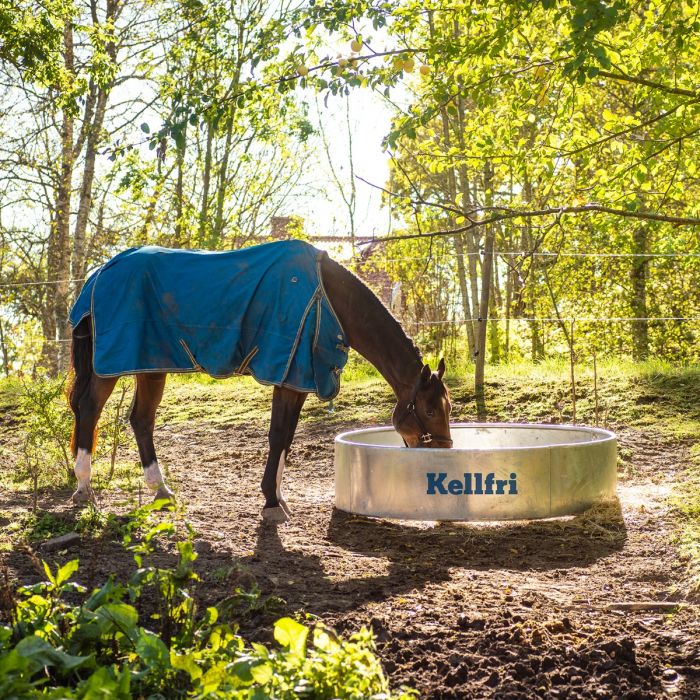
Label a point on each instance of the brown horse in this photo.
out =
(421, 415)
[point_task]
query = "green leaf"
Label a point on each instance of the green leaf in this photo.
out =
(145, 128)
(119, 617)
(291, 635)
(66, 571)
(151, 649)
(40, 653)
(107, 683)
(262, 673)
(186, 663)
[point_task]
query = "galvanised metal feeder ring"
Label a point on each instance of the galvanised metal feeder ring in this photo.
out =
(495, 471)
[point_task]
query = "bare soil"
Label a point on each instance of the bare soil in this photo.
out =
(506, 610)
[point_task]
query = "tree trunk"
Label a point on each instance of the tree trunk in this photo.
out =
(638, 277)
(179, 191)
(3, 347)
(486, 274)
(459, 238)
(217, 230)
(94, 137)
(464, 291)
(494, 343)
(206, 183)
(55, 321)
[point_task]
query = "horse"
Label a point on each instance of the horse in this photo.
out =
(421, 414)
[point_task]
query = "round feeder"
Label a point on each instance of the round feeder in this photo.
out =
(495, 471)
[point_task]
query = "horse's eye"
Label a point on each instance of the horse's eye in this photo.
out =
(430, 413)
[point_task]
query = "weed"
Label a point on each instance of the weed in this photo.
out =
(102, 648)
(244, 605)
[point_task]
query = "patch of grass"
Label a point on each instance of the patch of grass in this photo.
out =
(39, 526)
(687, 503)
(43, 525)
(191, 398)
(10, 392)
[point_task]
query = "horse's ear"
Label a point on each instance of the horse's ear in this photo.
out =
(425, 375)
(441, 368)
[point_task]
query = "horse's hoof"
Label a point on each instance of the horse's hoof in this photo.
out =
(285, 507)
(277, 514)
(164, 493)
(83, 496)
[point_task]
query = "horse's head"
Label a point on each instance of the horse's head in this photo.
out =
(424, 420)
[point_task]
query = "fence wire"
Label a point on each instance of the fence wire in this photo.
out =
(445, 256)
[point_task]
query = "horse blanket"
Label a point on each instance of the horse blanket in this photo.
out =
(261, 311)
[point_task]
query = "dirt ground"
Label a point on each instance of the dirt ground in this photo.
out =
(459, 610)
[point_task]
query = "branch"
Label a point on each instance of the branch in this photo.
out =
(649, 83)
(582, 209)
(628, 130)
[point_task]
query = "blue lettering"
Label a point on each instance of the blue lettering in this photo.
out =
(435, 483)
(455, 487)
(474, 484)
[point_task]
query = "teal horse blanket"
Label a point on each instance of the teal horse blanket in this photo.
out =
(261, 311)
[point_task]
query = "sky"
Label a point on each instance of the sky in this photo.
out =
(370, 120)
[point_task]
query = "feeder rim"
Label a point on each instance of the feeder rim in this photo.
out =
(604, 436)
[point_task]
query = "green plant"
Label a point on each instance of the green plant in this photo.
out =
(244, 604)
(101, 647)
(48, 424)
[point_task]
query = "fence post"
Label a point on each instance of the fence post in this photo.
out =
(572, 359)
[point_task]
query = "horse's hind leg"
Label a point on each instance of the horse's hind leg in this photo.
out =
(286, 407)
(87, 407)
(149, 392)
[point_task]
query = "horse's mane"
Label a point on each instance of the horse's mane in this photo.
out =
(370, 302)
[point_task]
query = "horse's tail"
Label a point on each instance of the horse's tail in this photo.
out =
(81, 365)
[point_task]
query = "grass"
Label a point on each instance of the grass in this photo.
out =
(687, 504)
(33, 527)
(656, 396)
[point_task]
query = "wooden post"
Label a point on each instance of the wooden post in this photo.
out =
(572, 359)
(595, 387)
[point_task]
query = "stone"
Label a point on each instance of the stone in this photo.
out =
(70, 539)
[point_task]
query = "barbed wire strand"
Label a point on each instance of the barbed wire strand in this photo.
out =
(33, 284)
(444, 256)
(544, 254)
(462, 322)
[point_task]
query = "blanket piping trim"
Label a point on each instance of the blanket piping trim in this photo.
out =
(318, 295)
(243, 368)
(295, 345)
(195, 364)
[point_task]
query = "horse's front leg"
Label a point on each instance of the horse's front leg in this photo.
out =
(286, 407)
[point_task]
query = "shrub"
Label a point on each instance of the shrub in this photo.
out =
(102, 648)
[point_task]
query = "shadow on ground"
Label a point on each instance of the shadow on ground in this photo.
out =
(418, 556)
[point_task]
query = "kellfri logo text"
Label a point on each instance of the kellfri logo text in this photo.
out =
(476, 484)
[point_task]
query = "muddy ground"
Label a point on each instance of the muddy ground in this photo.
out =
(459, 610)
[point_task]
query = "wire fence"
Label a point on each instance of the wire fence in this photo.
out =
(458, 323)
(444, 256)
(28, 343)
(540, 254)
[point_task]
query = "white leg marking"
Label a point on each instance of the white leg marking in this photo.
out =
(280, 513)
(83, 471)
(83, 468)
(153, 476)
(280, 472)
(155, 481)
